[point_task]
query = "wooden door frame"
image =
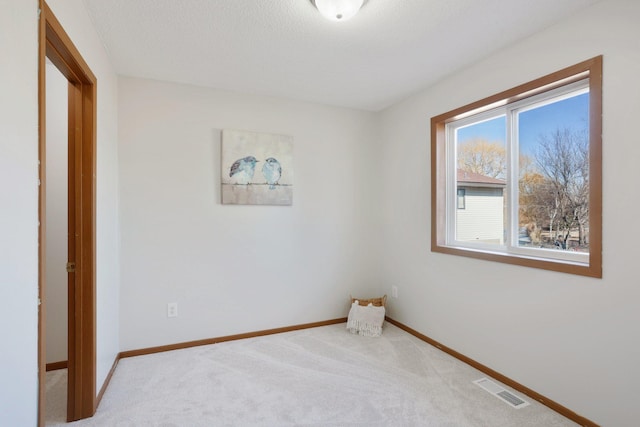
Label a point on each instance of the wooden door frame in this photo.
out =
(56, 45)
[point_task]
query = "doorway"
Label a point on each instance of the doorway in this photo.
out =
(56, 276)
(56, 46)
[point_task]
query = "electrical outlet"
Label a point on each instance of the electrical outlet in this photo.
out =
(394, 291)
(172, 309)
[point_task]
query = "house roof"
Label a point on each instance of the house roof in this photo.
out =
(479, 180)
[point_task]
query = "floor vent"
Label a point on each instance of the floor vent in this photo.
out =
(502, 394)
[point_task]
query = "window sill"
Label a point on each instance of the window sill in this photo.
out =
(563, 266)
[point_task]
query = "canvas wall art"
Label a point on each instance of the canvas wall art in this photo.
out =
(257, 168)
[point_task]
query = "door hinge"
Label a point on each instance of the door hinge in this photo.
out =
(71, 267)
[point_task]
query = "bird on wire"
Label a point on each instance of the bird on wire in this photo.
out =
(242, 170)
(272, 171)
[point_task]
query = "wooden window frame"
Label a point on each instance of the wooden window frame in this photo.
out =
(591, 69)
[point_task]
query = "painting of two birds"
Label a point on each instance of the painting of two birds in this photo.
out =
(257, 168)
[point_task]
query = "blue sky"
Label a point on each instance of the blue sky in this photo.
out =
(569, 113)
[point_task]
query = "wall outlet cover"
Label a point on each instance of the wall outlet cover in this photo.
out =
(172, 309)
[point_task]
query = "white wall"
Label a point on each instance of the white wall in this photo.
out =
(571, 338)
(74, 19)
(57, 215)
(235, 269)
(19, 212)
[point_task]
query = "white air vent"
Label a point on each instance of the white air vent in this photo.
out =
(502, 394)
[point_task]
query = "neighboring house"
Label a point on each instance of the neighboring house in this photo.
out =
(480, 208)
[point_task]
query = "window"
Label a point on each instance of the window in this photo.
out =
(516, 177)
(461, 194)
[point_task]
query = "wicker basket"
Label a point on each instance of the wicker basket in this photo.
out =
(376, 302)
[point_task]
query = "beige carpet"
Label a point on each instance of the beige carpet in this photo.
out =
(56, 397)
(314, 377)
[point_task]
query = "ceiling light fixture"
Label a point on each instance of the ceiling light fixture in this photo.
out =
(338, 10)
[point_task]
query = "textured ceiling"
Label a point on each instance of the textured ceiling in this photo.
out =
(285, 48)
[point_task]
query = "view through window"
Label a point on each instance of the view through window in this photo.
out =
(517, 176)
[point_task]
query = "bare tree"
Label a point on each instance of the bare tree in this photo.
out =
(483, 157)
(562, 158)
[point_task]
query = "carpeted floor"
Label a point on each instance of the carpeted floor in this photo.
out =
(313, 377)
(56, 397)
